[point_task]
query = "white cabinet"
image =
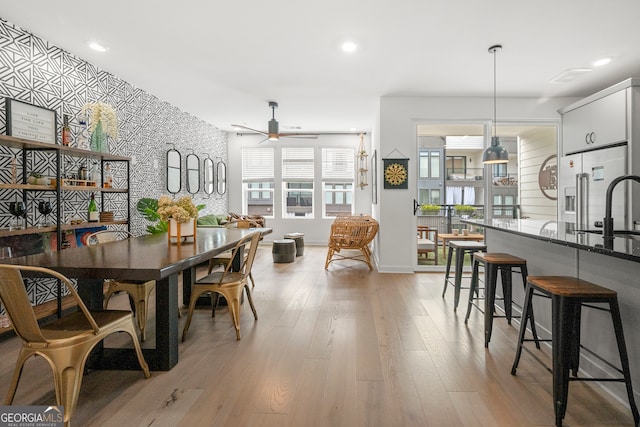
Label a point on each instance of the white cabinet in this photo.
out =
(595, 124)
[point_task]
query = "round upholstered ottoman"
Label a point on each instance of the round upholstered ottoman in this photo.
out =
(284, 250)
(299, 239)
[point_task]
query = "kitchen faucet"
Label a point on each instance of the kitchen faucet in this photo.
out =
(607, 222)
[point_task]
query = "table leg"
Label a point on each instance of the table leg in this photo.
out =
(166, 352)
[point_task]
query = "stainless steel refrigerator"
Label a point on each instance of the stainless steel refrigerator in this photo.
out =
(583, 180)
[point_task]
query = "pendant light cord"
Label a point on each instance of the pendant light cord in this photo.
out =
(495, 102)
(494, 49)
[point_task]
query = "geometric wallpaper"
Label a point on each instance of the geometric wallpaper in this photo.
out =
(34, 71)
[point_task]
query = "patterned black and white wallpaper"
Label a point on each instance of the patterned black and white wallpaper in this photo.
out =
(34, 71)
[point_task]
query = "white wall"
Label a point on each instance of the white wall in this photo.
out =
(535, 147)
(398, 118)
(316, 231)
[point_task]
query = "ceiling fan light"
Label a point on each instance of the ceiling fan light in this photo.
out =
(273, 127)
(273, 137)
(495, 153)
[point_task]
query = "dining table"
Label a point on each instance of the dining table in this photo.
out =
(446, 237)
(147, 257)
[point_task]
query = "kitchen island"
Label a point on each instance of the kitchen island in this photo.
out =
(553, 248)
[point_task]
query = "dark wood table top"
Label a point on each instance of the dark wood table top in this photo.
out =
(148, 257)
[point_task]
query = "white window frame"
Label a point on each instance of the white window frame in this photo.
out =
(338, 167)
(298, 167)
(258, 165)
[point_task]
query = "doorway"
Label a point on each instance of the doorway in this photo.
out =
(511, 190)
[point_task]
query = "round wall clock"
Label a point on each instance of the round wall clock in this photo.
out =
(395, 174)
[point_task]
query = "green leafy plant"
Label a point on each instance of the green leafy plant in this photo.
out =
(464, 209)
(148, 207)
(428, 208)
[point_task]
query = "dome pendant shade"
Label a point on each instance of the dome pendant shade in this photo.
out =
(496, 153)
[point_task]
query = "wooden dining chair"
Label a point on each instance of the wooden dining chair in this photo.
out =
(428, 242)
(139, 291)
(225, 258)
(228, 283)
(65, 343)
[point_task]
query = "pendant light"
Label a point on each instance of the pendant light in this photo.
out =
(495, 153)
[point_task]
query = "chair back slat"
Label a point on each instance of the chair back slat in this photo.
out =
(249, 241)
(253, 248)
(105, 236)
(16, 302)
(10, 271)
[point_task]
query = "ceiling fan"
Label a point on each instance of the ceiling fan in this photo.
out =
(273, 133)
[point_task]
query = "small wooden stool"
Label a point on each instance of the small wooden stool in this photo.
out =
(461, 247)
(284, 250)
(568, 296)
(494, 262)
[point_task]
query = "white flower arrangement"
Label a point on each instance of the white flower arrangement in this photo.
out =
(101, 112)
(181, 210)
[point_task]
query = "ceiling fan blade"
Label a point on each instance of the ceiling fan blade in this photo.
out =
(251, 129)
(264, 141)
(299, 135)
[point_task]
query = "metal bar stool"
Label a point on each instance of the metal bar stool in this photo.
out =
(568, 296)
(494, 262)
(461, 247)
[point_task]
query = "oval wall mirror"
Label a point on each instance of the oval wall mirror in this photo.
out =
(174, 171)
(208, 175)
(222, 177)
(193, 173)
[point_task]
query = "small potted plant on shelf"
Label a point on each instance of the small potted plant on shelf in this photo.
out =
(428, 209)
(464, 210)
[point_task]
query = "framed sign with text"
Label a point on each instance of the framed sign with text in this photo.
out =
(31, 122)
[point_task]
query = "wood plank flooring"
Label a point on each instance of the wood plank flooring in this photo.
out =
(344, 347)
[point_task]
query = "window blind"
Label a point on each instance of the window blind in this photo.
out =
(297, 164)
(258, 164)
(338, 164)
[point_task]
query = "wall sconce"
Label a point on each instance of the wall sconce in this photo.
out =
(362, 163)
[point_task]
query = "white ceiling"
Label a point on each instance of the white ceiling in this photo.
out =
(223, 60)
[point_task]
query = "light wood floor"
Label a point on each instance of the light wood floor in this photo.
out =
(347, 347)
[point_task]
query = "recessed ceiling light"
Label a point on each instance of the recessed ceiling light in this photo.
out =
(97, 47)
(352, 129)
(569, 75)
(602, 61)
(349, 46)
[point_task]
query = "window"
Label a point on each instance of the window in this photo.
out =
(297, 181)
(499, 169)
(504, 206)
(429, 164)
(338, 166)
(456, 165)
(258, 180)
(429, 196)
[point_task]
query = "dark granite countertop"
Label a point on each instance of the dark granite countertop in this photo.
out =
(561, 233)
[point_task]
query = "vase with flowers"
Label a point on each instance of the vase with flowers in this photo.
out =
(103, 122)
(180, 215)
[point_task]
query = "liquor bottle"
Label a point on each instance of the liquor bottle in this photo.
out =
(66, 131)
(93, 209)
(107, 182)
(82, 138)
(93, 173)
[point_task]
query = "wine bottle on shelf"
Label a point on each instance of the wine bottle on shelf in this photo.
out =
(66, 131)
(108, 177)
(93, 209)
